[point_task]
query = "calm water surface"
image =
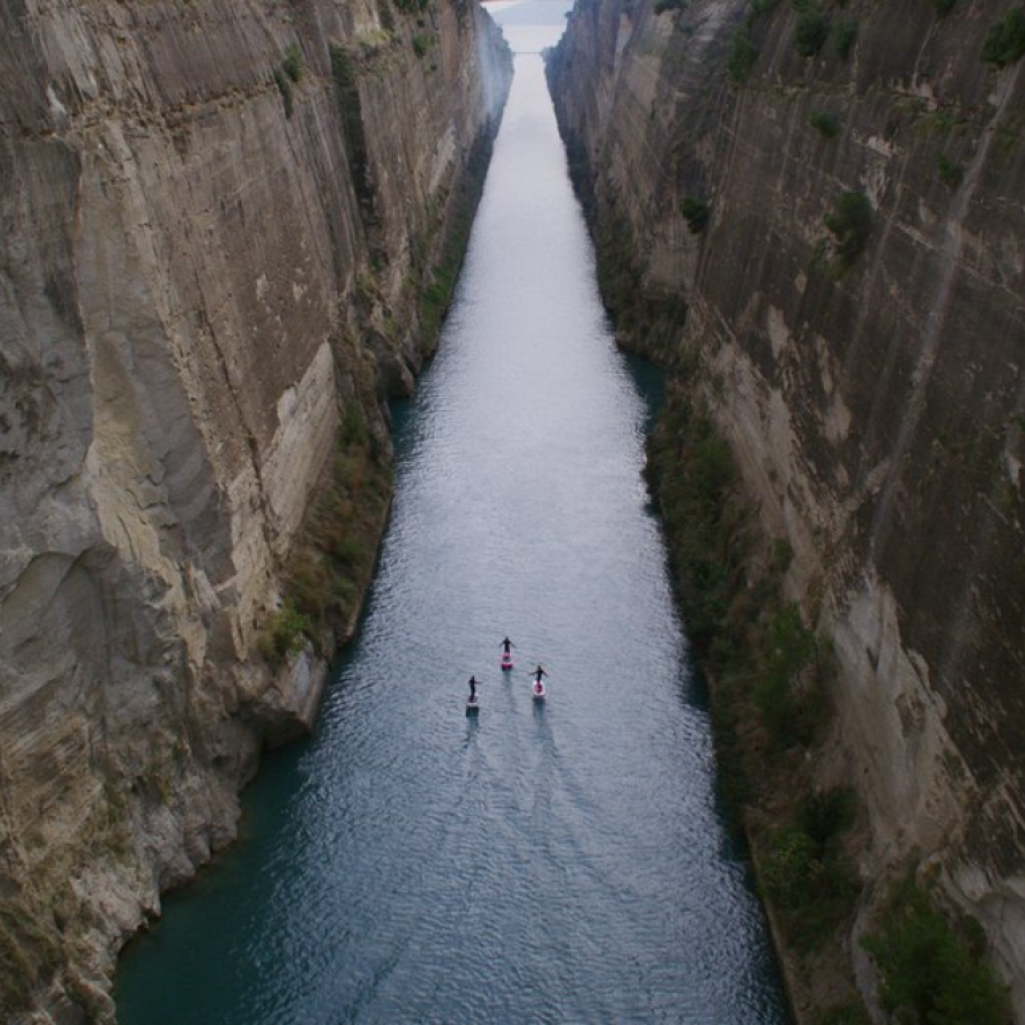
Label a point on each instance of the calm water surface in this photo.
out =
(555, 862)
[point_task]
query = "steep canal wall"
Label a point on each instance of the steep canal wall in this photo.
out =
(814, 210)
(226, 235)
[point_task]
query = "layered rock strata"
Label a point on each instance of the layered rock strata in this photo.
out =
(216, 221)
(835, 193)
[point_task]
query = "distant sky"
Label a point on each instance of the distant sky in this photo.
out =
(530, 25)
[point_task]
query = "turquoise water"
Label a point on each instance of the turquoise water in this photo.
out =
(562, 861)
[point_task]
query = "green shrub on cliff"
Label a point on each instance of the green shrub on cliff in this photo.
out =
(353, 427)
(850, 222)
(333, 559)
(697, 214)
(293, 65)
(284, 84)
(1005, 42)
(284, 634)
(691, 469)
(844, 35)
(812, 883)
(290, 72)
(827, 814)
(824, 122)
(811, 33)
(951, 174)
(814, 890)
(792, 708)
(341, 67)
(931, 971)
(743, 54)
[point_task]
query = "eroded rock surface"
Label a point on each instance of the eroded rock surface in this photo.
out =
(870, 378)
(216, 221)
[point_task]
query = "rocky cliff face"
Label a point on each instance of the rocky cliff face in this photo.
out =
(216, 220)
(836, 193)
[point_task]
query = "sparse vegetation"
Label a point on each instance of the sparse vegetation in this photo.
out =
(284, 84)
(422, 43)
(944, 7)
(805, 871)
(951, 174)
(940, 122)
(293, 65)
(792, 712)
(341, 66)
(288, 76)
(434, 301)
(931, 970)
(844, 35)
(284, 633)
(850, 222)
(692, 470)
(811, 33)
(644, 322)
(1005, 42)
(781, 555)
(1007, 140)
(743, 54)
(437, 295)
(335, 559)
(768, 666)
(29, 951)
(697, 214)
(824, 122)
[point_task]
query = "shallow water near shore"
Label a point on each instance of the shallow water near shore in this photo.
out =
(556, 861)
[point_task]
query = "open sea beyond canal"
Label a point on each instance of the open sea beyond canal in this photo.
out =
(538, 862)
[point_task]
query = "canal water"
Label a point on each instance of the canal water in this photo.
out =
(560, 861)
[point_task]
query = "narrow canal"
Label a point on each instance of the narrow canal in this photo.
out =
(558, 862)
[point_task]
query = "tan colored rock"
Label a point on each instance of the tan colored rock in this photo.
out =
(193, 258)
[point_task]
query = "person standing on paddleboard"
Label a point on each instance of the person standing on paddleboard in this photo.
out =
(473, 688)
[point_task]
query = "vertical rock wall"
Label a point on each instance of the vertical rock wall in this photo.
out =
(870, 377)
(216, 218)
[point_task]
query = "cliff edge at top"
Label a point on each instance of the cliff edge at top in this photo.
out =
(217, 223)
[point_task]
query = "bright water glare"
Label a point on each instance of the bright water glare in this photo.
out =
(535, 862)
